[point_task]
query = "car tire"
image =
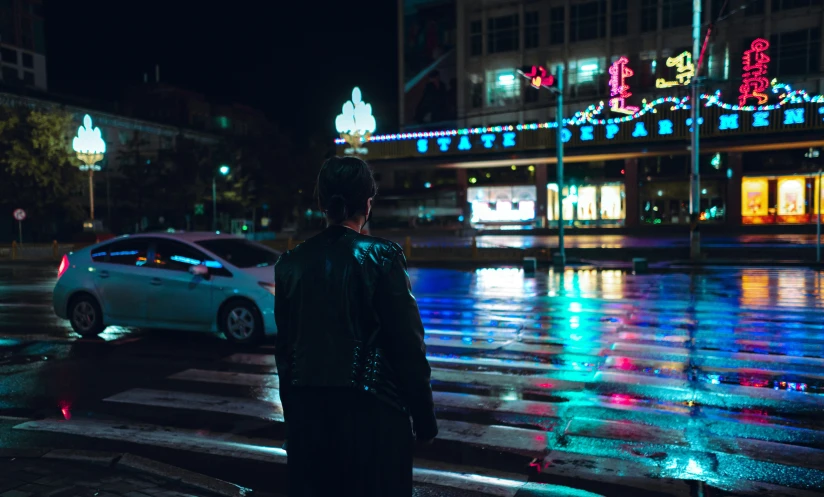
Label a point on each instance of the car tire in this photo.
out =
(85, 316)
(241, 323)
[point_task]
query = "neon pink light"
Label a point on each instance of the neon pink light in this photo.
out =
(619, 89)
(754, 73)
(539, 77)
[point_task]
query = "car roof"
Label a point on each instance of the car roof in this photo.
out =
(185, 236)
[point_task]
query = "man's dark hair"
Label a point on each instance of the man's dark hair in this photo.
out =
(345, 184)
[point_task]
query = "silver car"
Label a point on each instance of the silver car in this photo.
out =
(189, 281)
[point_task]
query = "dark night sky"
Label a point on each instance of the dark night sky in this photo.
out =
(297, 60)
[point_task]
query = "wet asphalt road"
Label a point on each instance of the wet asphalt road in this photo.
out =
(595, 380)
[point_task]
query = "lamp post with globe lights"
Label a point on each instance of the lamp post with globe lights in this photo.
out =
(356, 123)
(90, 148)
(224, 171)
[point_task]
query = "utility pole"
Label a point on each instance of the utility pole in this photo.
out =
(214, 203)
(560, 259)
(695, 178)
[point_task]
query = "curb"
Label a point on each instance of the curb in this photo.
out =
(131, 462)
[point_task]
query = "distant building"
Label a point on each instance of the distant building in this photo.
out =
(22, 44)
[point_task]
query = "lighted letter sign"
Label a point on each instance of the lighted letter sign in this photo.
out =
(612, 130)
(464, 144)
(689, 122)
(664, 127)
(754, 75)
(444, 142)
(586, 133)
(794, 116)
(728, 121)
(760, 118)
(684, 71)
(509, 139)
(618, 87)
(538, 76)
(488, 139)
(566, 134)
(423, 146)
(356, 123)
(640, 130)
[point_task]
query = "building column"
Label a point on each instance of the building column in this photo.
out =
(735, 170)
(463, 203)
(540, 196)
(631, 193)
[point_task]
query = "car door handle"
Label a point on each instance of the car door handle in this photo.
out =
(103, 274)
(156, 281)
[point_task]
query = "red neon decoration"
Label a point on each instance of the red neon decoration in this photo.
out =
(754, 75)
(619, 89)
(539, 77)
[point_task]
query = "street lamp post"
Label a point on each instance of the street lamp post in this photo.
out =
(223, 170)
(90, 148)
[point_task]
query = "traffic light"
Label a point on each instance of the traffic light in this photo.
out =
(538, 76)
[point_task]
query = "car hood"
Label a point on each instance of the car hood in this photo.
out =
(265, 274)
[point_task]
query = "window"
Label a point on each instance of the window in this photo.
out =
(176, 256)
(476, 91)
(620, 17)
(754, 8)
(556, 26)
(10, 74)
(28, 77)
(240, 252)
(584, 71)
(649, 15)
(793, 4)
(8, 55)
(476, 40)
(502, 34)
(39, 36)
(124, 252)
(677, 13)
(502, 88)
(796, 53)
(587, 21)
(532, 34)
(28, 60)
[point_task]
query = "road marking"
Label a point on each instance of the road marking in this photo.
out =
(532, 443)
(270, 410)
(252, 359)
(228, 378)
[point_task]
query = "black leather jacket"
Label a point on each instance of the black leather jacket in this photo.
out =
(346, 318)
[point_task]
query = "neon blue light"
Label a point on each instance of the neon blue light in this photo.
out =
(488, 139)
(729, 173)
(127, 252)
(612, 130)
(794, 116)
(423, 146)
(464, 144)
(689, 122)
(821, 111)
(509, 139)
(444, 142)
(185, 260)
(565, 135)
(639, 130)
(99, 254)
(760, 119)
(213, 264)
(586, 133)
(664, 127)
(728, 121)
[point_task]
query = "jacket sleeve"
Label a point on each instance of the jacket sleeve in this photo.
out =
(282, 338)
(401, 320)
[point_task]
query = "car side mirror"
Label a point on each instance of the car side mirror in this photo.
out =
(200, 270)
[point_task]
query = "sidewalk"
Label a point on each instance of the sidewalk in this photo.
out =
(70, 473)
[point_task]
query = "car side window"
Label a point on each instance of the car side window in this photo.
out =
(176, 256)
(123, 252)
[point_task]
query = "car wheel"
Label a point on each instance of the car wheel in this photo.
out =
(241, 323)
(86, 316)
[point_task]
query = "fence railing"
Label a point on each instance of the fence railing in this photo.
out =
(36, 251)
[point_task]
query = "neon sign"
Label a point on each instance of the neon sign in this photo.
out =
(684, 71)
(619, 89)
(539, 77)
(754, 75)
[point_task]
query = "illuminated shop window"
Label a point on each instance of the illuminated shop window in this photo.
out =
(587, 203)
(791, 196)
(754, 195)
(612, 202)
(502, 204)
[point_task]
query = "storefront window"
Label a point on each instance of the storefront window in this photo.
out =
(754, 197)
(612, 204)
(791, 196)
(781, 200)
(502, 204)
(588, 205)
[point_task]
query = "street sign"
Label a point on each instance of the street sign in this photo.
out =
(20, 214)
(199, 210)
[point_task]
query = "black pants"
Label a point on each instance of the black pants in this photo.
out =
(347, 443)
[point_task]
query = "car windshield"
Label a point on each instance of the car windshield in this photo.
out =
(241, 253)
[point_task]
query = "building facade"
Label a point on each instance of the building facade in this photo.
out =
(22, 43)
(627, 70)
